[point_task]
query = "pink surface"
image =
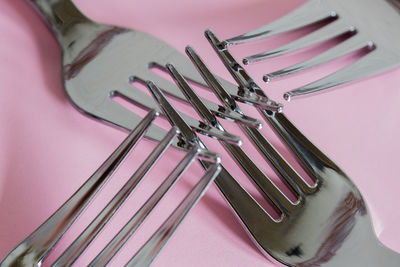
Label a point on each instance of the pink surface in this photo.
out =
(48, 149)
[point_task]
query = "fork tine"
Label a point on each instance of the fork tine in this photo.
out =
(330, 31)
(152, 247)
(218, 110)
(245, 96)
(130, 227)
(189, 94)
(369, 64)
(174, 117)
(307, 14)
(70, 255)
(355, 43)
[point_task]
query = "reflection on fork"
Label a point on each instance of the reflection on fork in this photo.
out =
(32, 250)
(370, 26)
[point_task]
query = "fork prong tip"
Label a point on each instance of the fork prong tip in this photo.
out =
(176, 130)
(189, 50)
(287, 96)
(214, 40)
(170, 67)
(267, 78)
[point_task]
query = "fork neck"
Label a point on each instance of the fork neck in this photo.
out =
(60, 15)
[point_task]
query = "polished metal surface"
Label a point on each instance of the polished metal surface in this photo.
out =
(37, 245)
(371, 24)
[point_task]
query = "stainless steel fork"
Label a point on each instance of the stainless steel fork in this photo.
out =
(32, 250)
(329, 224)
(372, 26)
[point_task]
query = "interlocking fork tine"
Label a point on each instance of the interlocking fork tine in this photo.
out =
(138, 97)
(69, 256)
(282, 125)
(245, 82)
(305, 15)
(272, 156)
(281, 202)
(218, 110)
(32, 250)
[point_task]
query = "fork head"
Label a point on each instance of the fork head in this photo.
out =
(367, 24)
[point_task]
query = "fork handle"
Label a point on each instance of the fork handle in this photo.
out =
(60, 15)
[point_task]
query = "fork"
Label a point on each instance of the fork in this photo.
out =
(329, 224)
(32, 250)
(369, 26)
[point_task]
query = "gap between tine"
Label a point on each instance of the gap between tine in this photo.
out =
(370, 64)
(272, 156)
(112, 248)
(305, 15)
(249, 91)
(77, 247)
(281, 202)
(34, 248)
(151, 248)
(351, 45)
(332, 30)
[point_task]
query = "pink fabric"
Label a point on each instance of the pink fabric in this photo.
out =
(48, 149)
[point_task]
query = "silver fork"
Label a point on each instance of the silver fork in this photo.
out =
(372, 26)
(32, 250)
(329, 224)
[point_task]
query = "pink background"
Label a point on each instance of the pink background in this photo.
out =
(48, 149)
